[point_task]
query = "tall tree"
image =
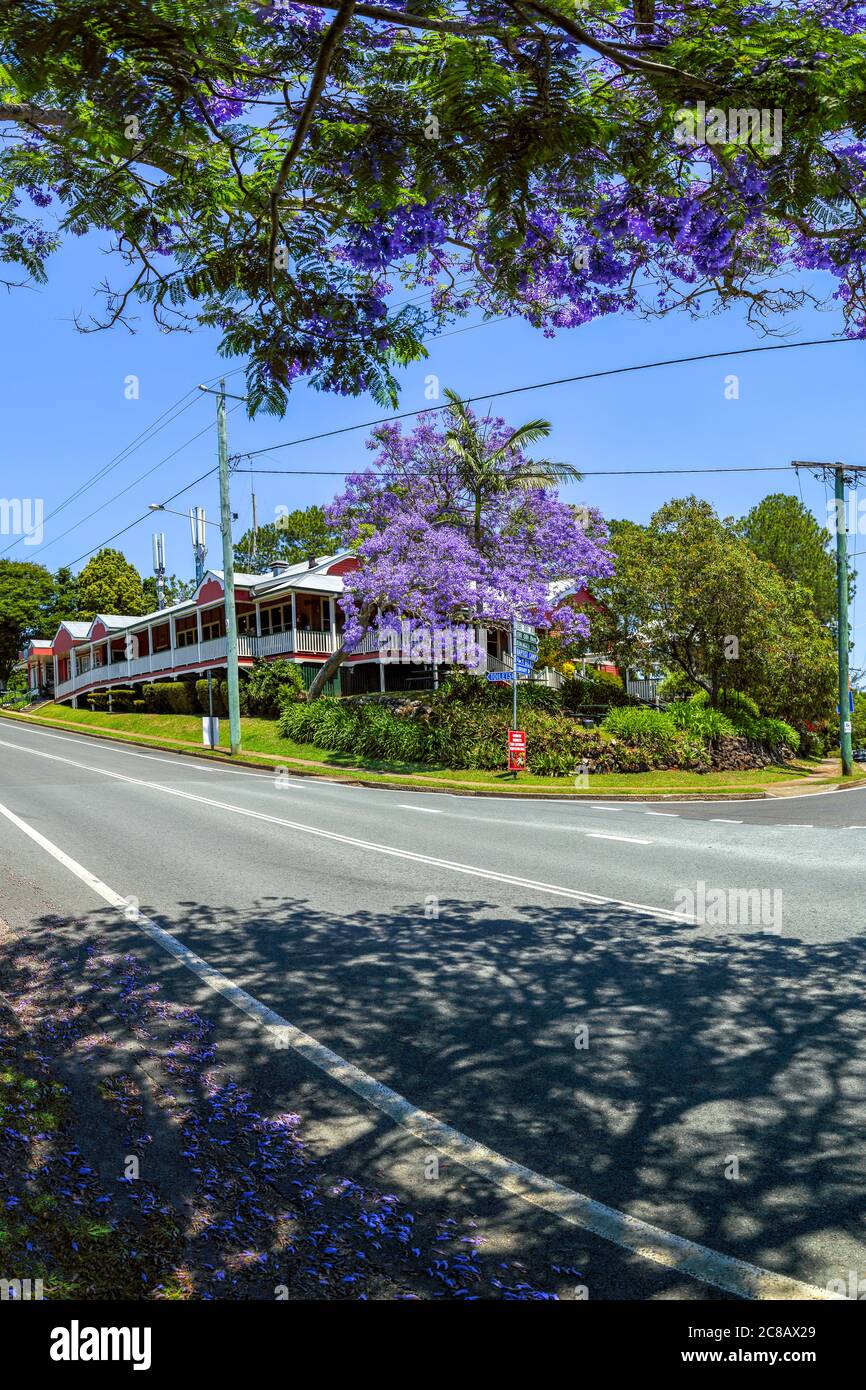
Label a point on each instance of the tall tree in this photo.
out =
(297, 535)
(486, 468)
(64, 599)
(110, 584)
(26, 592)
(784, 532)
(688, 594)
(412, 522)
(272, 169)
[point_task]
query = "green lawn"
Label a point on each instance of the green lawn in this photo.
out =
(263, 746)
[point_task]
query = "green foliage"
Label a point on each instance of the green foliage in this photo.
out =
(201, 697)
(269, 684)
(739, 714)
(26, 592)
(858, 720)
(170, 697)
(473, 736)
(676, 685)
(774, 734)
(299, 535)
(466, 688)
(686, 583)
(110, 584)
(176, 590)
(644, 728)
(523, 105)
(596, 688)
(785, 533)
(699, 718)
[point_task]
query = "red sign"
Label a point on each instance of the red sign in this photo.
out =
(516, 750)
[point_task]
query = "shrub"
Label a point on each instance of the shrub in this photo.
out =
(596, 688)
(644, 728)
(775, 734)
(677, 686)
(170, 697)
(701, 720)
(270, 684)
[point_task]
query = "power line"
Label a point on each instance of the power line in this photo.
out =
(584, 473)
(540, 385)
(147, 434)
(511, 391)
(149, 513)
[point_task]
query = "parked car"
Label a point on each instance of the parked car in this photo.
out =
(860, 755)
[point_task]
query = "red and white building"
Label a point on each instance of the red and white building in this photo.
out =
(291, 614)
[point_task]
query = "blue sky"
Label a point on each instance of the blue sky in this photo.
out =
(65, 415)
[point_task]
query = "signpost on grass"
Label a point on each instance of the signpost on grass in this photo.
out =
(524, 649)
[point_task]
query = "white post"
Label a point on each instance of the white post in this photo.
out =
(294, 623)
(333, 615)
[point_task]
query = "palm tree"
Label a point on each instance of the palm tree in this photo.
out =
(484, 471)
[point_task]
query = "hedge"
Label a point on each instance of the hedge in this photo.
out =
(169, 697)
(450, 735)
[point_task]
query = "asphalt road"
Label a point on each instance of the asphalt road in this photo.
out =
(455, 948)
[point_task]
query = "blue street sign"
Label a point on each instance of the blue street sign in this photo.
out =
(499, 676)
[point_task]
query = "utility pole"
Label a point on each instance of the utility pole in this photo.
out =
(842, 474)
(234, 701)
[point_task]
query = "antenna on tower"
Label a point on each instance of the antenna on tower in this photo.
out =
(158, 542)
(196, 527)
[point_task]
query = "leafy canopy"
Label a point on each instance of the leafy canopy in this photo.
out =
(689, 595)
(328, 183)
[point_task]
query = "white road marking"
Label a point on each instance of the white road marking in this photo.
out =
(428, 810)
(722, 820)
(672, 815)
(210, 765)
(370, 846)
(624, 839)
(650, 1242)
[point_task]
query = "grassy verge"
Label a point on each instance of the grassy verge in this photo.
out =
(263, 747)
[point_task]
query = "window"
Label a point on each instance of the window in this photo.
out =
(212, 624)
(277, 619)
(162, 638)
(186, 631)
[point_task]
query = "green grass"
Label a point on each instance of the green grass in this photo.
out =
(263, 746)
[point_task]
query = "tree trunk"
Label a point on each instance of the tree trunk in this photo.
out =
(335, 661)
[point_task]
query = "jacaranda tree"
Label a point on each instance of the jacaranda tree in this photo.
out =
(432, 555)
(327, 183)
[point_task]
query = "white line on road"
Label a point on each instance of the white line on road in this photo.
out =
(428, 810)
(722, 820)
(371, 846)
(671, 815)
(624, 839)
(575, 1208)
